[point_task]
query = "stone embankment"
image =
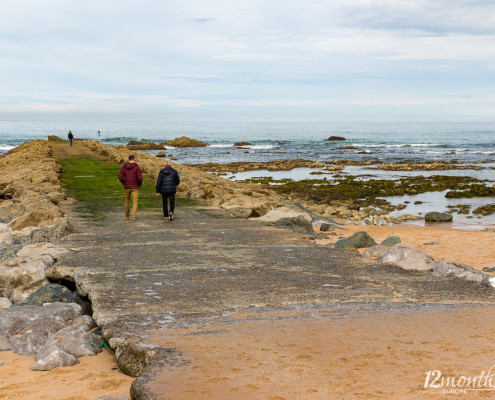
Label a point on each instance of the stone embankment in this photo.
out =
(30, 213)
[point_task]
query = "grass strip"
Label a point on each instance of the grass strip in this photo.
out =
(94, 184)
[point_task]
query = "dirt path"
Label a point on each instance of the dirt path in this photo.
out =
(61, 150)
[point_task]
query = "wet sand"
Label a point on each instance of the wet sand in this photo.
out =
(383, 355)
(474, 248)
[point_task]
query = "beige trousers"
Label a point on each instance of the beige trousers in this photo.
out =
(135, 194)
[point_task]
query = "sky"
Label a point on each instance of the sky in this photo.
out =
(343, 60)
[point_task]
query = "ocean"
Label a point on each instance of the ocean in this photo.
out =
(467, 142)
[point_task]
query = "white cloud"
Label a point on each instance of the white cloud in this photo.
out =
(104, 55)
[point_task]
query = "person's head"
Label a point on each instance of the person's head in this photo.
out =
(168, 162)
(132, 158)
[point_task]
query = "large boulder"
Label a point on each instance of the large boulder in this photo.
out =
(335, 138)
(184, 141)
(356, 241)
(408, 258)
(391, 241)
(438, 217)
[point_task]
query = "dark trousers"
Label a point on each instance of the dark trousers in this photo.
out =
(168, 197)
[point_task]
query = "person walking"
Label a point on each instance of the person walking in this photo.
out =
(99, 136)
(71, 138)
(166, 185)
(131, 177)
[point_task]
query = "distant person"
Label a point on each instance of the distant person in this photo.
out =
(99, 140)
(71, 138)
(131, 177)
(166, 185)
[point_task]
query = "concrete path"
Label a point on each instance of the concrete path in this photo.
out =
(147, 279)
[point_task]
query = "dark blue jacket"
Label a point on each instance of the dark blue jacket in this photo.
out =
(168, 179)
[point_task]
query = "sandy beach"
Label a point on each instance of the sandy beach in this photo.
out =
(474, 248)
(383, 356)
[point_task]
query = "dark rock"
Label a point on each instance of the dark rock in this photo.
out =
(391, 241)
(134, 143)
(53, 293)
(50, 293)
(356, 241)
(300, 225)
(333, 138)
(325, 227)
(438, 217)
(433, 244)
(161, 154)
(486, 269)
(242, 144)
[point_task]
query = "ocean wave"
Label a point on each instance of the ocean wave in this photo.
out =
(260, 147)
(399, 145)
(5, 147)
(221, 145)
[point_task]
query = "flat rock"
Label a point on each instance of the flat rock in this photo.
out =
(283, 212)
(378, 250)
(408, 258)
(458, 270)
(37, 249)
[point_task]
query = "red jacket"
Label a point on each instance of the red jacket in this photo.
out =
(130, 175)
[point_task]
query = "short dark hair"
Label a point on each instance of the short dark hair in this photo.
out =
(131, 157)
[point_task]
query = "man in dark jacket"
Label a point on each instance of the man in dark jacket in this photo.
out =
(166, 185)
(131, 177)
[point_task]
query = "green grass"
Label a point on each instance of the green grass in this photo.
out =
(94, 183)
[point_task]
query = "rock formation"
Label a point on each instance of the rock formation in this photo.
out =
(184, 141)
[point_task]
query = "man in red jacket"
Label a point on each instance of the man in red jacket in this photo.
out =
(131, 177)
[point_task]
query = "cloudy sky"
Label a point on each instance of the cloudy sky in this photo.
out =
(408, 60)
